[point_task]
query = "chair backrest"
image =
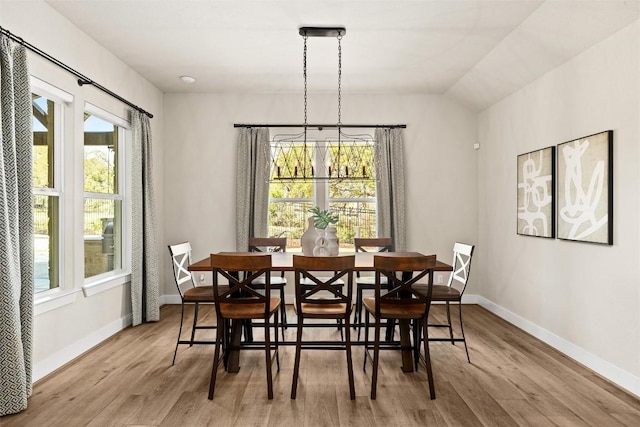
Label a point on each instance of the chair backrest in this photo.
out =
(399, 290)
(180, 260)
(309, 266)
(462, 254)
(267, 244)
(231, 267)
(374, 244)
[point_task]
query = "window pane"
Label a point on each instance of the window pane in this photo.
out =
(46, 243)
(289, 219)
(291, 190)
(43, 141)
(100, 155)
(356, 189)
(102, 236)
(355, 218)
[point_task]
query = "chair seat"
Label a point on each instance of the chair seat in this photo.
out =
(335, 309)
(440, 292)
(199, 294)
(276, 281)
(395, 311)
(247, 311)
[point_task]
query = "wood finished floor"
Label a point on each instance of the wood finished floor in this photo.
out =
(514, 380)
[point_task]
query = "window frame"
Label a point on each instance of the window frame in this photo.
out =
(62, 101)
(320, 193)
(118, 276)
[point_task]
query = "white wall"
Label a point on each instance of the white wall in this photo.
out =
(583, 298)
(67, 331)
(200, 163)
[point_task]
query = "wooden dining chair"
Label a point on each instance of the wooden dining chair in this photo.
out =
(190, 293)
(278, 281)
(452, 292)
(374, 244)
(239, 301)
(399, 301)
(323, 300)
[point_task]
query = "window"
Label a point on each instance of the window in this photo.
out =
(103, 194)
(47, 141)
(353, 200)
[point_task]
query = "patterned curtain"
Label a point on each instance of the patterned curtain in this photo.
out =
(252, 185)
(145, 279)
(16, 230)
(390, 188)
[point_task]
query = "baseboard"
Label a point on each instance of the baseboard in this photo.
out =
(611, 372)
(170, 299)
(67, 354)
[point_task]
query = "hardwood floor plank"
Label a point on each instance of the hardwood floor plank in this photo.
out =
(514, 379)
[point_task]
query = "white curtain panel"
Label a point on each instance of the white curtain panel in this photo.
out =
(252, 185)
(390, 188)
(145, 278)
(16, 230)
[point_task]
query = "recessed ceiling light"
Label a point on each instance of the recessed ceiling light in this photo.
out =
(188, 79)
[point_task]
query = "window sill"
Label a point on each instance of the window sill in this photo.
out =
(104, 284)
(54, 299)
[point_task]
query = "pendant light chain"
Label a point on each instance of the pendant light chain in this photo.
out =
(339, 78)
(304, 148)
(304, 72)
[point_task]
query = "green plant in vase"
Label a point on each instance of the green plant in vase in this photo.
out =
(322, 218)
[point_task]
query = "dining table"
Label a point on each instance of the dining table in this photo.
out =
(283, 261)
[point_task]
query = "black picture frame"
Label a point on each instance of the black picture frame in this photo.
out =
(536, 200)
(585, 189)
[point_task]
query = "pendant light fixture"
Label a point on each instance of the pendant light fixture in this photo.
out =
(307, 157)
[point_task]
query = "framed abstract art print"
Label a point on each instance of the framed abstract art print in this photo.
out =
(585, 189)
(536, 202)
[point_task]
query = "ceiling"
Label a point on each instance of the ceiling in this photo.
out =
(478, 51)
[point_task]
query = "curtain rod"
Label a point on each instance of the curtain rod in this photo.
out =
(82, 79)
(319, 126)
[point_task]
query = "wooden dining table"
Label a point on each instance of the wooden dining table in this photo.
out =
(283, 261)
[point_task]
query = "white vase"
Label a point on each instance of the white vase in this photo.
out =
(321, 247)
(308, 239)
(332, 241)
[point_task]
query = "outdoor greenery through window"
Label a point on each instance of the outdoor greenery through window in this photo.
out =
(353, 200)
(47, 128)
(102, 196)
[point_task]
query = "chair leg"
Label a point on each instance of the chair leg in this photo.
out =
(417, 333)
(462, 331)
(449, 321)
(277, 343)
(427, 358)
(267, 351)
(352, 388)
(195, 323)
(357, 317)
(179, 333)
(366, 340)
(296, 364)
(283, 310)
(216, 361)
(376, 355)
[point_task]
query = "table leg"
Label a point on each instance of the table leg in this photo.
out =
(405, 343)
(233, 365)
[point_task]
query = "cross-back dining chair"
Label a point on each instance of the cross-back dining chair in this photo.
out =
(399, 301)
(239, 301)
(318, 298)
(453, 291)
(278, 281)
(189, 292)
(373, 244)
